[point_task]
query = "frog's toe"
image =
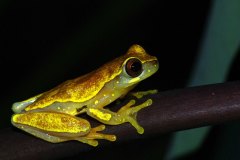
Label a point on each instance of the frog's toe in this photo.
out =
(140, 130)
(132, 112)
(91, 142)
(110, 137)
(135, 124)
(135, 109)
(93, 134)
(99, 128)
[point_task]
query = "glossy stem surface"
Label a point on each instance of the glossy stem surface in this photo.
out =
(171, 111)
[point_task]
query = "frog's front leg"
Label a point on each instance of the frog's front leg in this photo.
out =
(126, 114)
(59, 127)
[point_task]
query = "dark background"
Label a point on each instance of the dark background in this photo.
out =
(44, 43)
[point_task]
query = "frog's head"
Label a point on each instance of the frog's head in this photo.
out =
(137, 66)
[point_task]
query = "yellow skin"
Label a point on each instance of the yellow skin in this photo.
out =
(52, 115)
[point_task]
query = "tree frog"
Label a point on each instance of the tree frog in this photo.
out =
(52, 115)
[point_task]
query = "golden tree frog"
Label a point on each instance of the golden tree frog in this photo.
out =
(52, 115)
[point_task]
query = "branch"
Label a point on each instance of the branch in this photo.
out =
(171, 111)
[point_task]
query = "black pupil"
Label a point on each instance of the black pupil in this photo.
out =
(136, 66)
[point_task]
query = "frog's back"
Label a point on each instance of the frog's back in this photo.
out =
(87, 86)
(79, 89)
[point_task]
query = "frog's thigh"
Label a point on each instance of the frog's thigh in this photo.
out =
(59, 127)
(40, 133)
(49, 125)
(56, 138)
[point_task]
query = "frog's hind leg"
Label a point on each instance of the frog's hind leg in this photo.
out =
(59, 127)
(40, 134)
(56, 139)
(90, 138)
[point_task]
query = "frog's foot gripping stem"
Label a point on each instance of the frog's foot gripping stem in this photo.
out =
(140, 94)
(130, 113)
(126, 114)
(92, 135)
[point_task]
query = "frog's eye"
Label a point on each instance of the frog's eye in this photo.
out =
(133, 67)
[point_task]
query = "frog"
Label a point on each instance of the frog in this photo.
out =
(55, 115)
